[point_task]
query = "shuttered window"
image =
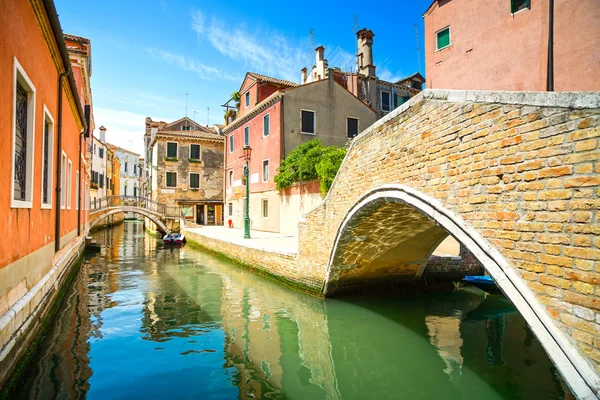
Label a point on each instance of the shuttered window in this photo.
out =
(443, 38)
(266, 125)
(171, 179)
(231, 143)
(194, 181)
(352, 126)
(247, 136)
(171, 150)
(386, 103)
(518, 5)
(195, 151)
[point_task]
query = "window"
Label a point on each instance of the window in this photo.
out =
(77, 189)
(186, 128)
(247, 99)
(69, 184)
(101, 181)
(442, 38)
(231, 178)
(265, 170)
(125, 190)
(195, 151)
(171, 150)
(63, 180)
(247, 136)
(135, 169)
(231, 143)
(307, 122)
(266, 124)
(172, 179)
(352, 127)
(385, 101)
(125, 166)
(23, 125)
(230, 208)
(518, 5)
(101, 152)
(48, 145)
(265, 208)
(194, 180)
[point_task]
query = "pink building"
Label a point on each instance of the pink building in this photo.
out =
(503, 45)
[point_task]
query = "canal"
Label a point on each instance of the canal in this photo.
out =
(144, 321)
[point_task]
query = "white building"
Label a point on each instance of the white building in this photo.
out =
(98, 173)
(130, 172)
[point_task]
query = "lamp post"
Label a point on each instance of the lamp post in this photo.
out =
(247, 153)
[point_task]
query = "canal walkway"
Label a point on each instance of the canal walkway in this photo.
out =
(281, 243)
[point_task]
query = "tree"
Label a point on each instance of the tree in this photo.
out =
(310, 160)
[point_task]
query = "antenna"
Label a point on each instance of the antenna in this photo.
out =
(207, 115)
(186, 96)
(418, 49)
(195, 115)
(355, 18)
(311, 36)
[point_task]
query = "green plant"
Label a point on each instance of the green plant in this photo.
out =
(310, 160)
(170, 158)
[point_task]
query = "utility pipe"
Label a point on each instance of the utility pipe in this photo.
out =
(550, 82)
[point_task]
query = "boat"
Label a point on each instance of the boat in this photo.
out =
(174, 239)
(483, 282)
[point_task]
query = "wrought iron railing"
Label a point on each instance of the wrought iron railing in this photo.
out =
(136, 201)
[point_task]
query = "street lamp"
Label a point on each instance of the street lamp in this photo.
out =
(247, 153)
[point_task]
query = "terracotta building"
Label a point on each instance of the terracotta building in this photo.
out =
(275, 117)
(185, 162)
(42, 114)
(503, 45)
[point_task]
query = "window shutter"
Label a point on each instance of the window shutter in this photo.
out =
(513, 6)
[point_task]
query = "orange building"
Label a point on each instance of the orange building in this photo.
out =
(503, 45)
(42, 121)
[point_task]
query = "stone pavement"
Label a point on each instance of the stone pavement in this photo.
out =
(274, 242)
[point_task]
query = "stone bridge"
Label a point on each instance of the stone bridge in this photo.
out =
(156, 212)
(514, 177)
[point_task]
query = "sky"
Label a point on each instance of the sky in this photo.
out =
(147, 54)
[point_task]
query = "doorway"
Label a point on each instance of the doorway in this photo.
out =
(200, 214)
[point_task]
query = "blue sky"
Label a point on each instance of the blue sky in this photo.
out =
(147, 54)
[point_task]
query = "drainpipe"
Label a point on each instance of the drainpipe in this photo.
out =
(59, 161)
(550, 82)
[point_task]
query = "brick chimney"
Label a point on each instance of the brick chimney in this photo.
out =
(322, 64)
(102, 130)
(303, 71)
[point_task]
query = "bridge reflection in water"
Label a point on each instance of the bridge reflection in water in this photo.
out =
(146, 322)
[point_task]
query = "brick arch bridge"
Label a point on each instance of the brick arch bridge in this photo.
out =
(513, 176)
(101, 215)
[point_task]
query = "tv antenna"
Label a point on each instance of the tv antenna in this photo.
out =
(195, 115)
(186, 99)
(207, 115)
(418, 48)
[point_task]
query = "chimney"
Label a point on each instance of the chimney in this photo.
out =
(102, 130)
(303, 75)
(322, 65)
(365, 52)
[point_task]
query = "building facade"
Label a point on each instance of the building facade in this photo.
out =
(186, 169)
(275, 117)
(39, 170)
(503, 45)
(129, 171)
(99, 155)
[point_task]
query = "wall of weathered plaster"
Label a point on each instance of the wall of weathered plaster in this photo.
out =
(520, 169)
(295, 201)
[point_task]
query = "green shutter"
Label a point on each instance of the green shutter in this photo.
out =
(443, 38)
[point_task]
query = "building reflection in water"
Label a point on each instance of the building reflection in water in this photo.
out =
(145, 321)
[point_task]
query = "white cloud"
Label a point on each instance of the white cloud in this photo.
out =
(267, 52)
(204, 71)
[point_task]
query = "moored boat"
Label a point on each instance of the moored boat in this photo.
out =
(483, 282)
(174, 239)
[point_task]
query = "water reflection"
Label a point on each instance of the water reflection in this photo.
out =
(147, 322)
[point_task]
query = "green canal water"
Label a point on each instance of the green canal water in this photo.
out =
(143, 321)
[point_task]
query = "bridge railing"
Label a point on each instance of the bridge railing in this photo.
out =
(136, 201)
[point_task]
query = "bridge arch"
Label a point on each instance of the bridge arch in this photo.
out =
(128, 209)
(390, 232)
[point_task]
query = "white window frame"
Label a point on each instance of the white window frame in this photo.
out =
(247, 99)
(176, 150)
(230, 178)
(63, 180)
(314, 122)
(69, 182)
(437, 48)
(265, 116)
(47, 118)
(200, 152)
(357, 125)
(19, 76)
(262, 208)
(247, 143)
(381, 92)
(190, 180)
(231, 142)
(167, 182)
(263, 170)
(77, 189)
